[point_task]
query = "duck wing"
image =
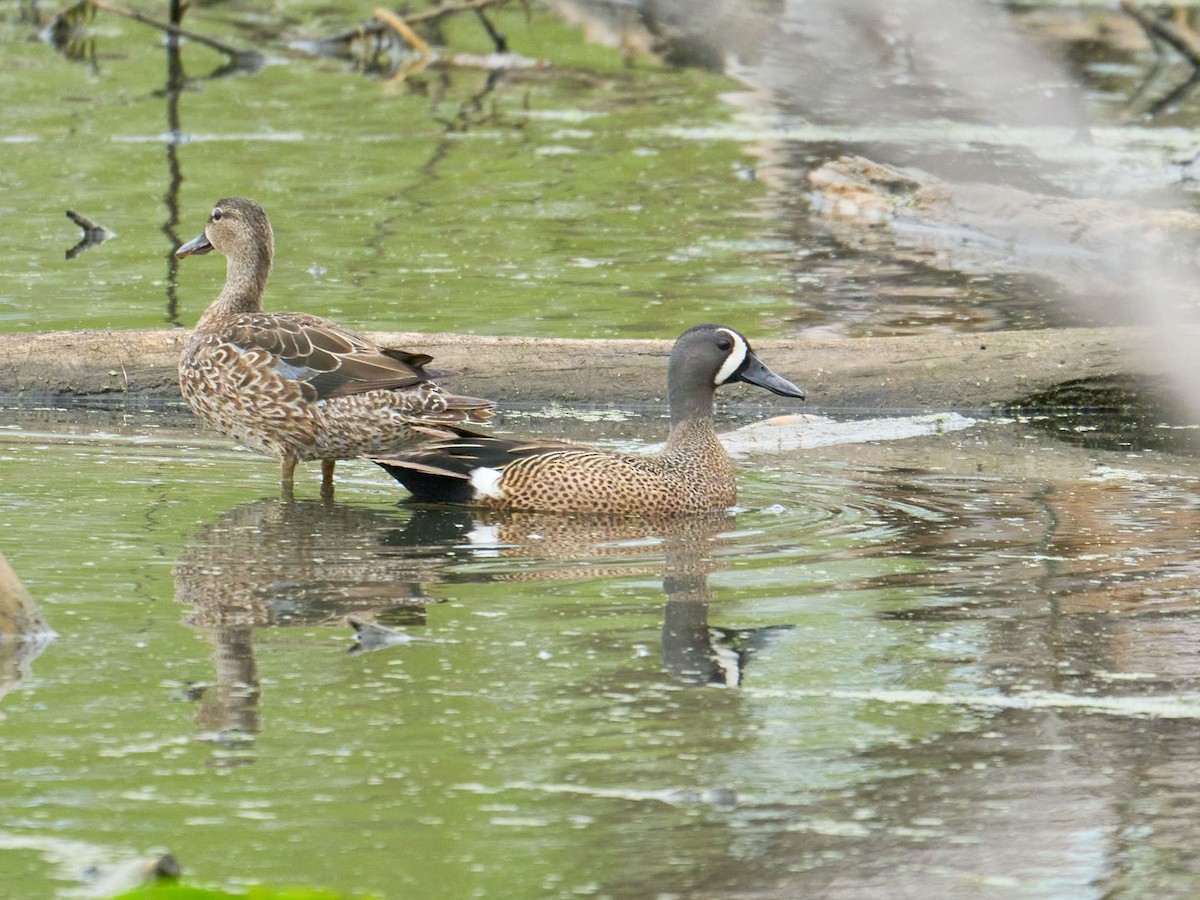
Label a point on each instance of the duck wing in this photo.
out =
(333, 361)
(447, 469)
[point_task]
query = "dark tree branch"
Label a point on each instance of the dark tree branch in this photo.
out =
(1166, 31)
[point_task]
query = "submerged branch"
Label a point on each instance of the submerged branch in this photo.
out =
(385, 27)
(378, 26)
(168, 27)
(242, 57)
(390, 45)
(403, 31)
(1165, 31)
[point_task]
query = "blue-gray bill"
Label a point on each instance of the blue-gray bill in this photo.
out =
(754, 372)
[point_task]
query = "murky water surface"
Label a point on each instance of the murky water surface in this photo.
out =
(585, 199)
(911, 666)
(950, 665)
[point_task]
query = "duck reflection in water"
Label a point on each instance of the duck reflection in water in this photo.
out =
(684, 551)
(272, 563)
(694, 651)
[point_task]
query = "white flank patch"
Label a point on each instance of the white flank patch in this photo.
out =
(485, 540)
(727, 662)
(737, 356)
(487, 483)
(484, 536)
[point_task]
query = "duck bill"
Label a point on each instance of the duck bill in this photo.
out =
(197, 246)
(754, 372)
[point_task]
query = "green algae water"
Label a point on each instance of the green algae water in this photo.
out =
(549, 203)
(959, 664)
(377, 698)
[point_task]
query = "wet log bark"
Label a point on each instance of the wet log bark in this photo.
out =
(925, 372)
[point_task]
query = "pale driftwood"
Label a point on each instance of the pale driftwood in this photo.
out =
(970, 222)
(1108, 256)
(925, 372)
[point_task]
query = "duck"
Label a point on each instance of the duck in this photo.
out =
(298, 386)
(692, 474)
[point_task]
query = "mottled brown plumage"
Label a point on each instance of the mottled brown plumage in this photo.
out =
(298, 386)
(692, 474)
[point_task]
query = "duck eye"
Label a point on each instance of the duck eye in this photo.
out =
(216, 214)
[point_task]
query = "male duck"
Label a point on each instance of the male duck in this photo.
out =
(692, 474)
(298, 386)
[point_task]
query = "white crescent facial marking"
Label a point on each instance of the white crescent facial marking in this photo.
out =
(737, 356)
(487, 483)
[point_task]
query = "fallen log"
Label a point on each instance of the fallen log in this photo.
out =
(929, 372)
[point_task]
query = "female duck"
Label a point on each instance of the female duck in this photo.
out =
(692, 474)
(298, 386)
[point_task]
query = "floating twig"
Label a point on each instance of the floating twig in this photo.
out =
(93, 234)
(403, 31)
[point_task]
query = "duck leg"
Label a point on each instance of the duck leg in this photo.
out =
(287, 473)
(327, 478)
